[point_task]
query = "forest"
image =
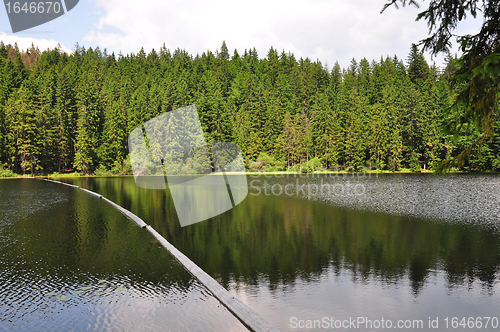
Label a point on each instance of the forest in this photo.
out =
(68, 113)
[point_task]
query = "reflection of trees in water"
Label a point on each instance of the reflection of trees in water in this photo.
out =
(280, 239)
(81, 238)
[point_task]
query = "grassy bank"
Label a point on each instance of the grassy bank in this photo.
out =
(10, 174)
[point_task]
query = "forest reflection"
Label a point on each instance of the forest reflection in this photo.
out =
(278, 239)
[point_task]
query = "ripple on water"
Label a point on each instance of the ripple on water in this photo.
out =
(69, 261)
(18, 204)
(465, 198)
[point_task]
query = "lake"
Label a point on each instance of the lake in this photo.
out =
(71, 262)
(312, 252)
(322, 250)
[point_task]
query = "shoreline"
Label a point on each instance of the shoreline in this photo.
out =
(78, 175)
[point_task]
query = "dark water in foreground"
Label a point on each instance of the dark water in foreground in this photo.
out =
(71, 262)
(392, 247)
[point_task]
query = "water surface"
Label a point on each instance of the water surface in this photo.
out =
(71, 262)
(398, 247)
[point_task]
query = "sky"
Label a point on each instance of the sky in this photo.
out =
(324, 30)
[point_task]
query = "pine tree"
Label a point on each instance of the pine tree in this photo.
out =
(24, 135)
(325, 129)
(224, 52)
(89, 124)
(418, 69)
(212, 109)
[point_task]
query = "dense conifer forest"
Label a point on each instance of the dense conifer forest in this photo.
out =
(67, 113)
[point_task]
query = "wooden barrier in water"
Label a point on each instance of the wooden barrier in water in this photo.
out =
(244, 314)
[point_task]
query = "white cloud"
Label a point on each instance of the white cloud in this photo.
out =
(25, 42)
(328, 30)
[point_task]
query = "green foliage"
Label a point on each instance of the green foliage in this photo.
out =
(475, 76)
(414, 162)
(123, 168)
(266, 163)
(6, 173)
(308, 167)
(102, 171)
(65, 113)
(314, 164)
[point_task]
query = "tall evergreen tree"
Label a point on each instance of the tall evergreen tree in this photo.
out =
(89, 124)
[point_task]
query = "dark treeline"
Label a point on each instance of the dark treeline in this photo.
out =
(64, 113)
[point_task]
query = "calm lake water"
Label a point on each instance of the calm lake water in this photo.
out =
(71, 262)
(333, 248)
